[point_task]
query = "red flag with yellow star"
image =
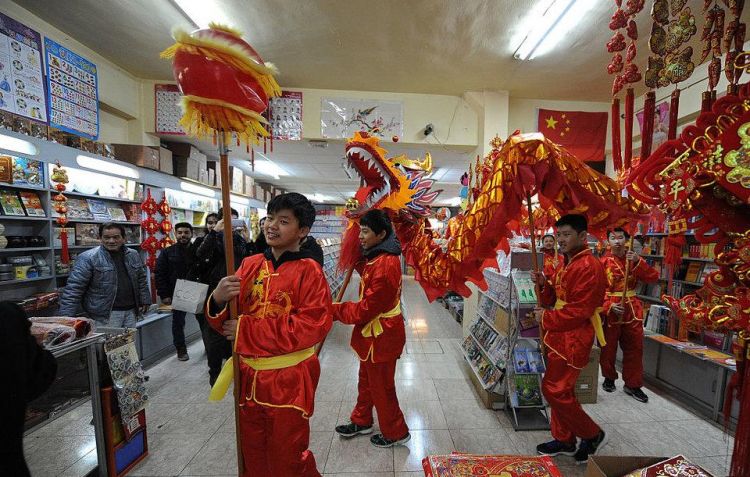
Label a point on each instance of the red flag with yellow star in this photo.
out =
(583, 134)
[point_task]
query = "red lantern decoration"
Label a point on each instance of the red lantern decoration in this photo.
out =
(165, 242)
(164, 207)
(150, 225)
(166, 226)
(149, 205)
(60, 176)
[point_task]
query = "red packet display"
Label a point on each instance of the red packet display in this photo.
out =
(469, 465)
(677, 466)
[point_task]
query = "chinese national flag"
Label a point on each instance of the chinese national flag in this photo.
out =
(583, 134)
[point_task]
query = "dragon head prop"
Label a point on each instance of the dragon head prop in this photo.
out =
(398, 184)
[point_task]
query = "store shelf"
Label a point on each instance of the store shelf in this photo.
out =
(474, 370)
(3, 185)
(694, 284)
(80, 247)
(484, 351)
(92, 221)
(24, 249)
(652, 256)
(94, 196)
(691, 259)
(26, 280)
(649, 298)
(24, 217)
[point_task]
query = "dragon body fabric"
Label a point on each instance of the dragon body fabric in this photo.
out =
(524, 165)
(703, 178)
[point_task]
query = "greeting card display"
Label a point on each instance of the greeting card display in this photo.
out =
(129, 380)
(32, 204)
(168, 111)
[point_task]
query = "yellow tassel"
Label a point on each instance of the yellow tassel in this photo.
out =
(170, 52)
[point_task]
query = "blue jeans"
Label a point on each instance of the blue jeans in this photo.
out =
(122, 319)
(178, 328)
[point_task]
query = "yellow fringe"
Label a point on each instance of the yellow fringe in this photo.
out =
(225, 28)
(202, 117)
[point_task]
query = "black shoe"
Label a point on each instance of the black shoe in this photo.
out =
(555, 447)
(351, 430)
(378, 440)
(609, 385)
(589, 447)
(182, 354)
(637, 393)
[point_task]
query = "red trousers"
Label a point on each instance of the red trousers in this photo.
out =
(630, 338)
(377, 388)
(275, 441)
(569, 420)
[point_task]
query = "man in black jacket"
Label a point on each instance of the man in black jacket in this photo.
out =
(26, 372)
(172, 265)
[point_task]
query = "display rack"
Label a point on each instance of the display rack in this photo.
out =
(331, 249)
(330, 221)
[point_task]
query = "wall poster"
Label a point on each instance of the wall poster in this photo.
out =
(21, 76)
(168, 109)
(285, 116)
(340, 118)
(72, 86)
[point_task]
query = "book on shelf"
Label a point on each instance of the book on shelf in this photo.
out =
(132, 235)
(132, 212)
(27, 172)
(526, 390)
(99, 209)
(693, 271)
(11, 204)
(87, 234)
(78, 209)
(32, 203)
(116, 213)
(56, 231)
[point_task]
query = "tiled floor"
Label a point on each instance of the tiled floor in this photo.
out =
(190, 437)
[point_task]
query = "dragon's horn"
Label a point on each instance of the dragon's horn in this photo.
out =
(427, 163)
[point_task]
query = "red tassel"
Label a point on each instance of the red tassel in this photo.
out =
(616, 146)
(351, 251)
(741, 456)
(705, 101)
(674, 106)
(647, 132)
(64, 253)
(673, 249)
(629, 107)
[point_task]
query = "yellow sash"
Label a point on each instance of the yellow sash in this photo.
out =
(629, 294)
(596, 320)
(221, 386)
(375, 328)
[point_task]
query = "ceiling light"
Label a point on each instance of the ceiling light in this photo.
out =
(196, 189)
(17, 145)
(558, 17)
(268, 168)
(200, 12)
(107, 166)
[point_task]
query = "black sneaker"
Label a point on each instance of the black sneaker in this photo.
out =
(609, 385)
(589, 447)
(182, 354)
(637, 393)
(351, 430)
(378, 440)
(555, 447)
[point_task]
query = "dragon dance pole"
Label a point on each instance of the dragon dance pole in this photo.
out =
(627, 272)
(535, 267)
(229, 254)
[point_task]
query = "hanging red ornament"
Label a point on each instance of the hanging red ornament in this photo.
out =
(165, 242)
(151, 244)
(149, 205)
(164, 207)
(395, 138)
(150, 225)
(60, 177)
(166, 226)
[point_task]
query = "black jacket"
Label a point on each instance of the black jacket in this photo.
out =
(313, 247)
(390, 245)
(26, 372)
(210, 263)
(172, 265)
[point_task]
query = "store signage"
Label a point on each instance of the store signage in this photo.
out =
(168, 110)
(21, 76)
(72, 86)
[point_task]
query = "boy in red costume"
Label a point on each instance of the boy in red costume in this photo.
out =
(574, 295)
(284, 311)
(552, 259)
(624, 315)
(379, 336)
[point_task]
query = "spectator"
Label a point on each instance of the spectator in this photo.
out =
(173, 264)
(27, 371)
(108, 282)
(260, 240)
(211, 255)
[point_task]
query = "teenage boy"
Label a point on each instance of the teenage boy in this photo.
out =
(624, 315)
(284, 311)
(173, 264)
(379, 336)
(573, 297)
(552, 259)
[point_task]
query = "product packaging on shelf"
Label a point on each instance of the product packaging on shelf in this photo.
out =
(142, 156)
(165, 160)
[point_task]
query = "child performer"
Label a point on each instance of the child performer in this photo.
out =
(378, 337)
(576, 291)
(284, 311)
(552, 259)
(624, 315)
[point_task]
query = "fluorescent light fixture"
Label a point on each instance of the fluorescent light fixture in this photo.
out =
(196, 189)
(17, 145)
(268, 168)
(200, 12)
(107, 167)
(235, 199)
(558, 17)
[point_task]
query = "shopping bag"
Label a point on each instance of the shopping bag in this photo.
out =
(189, 296)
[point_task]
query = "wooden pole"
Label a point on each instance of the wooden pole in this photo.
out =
(229, 254)
(534, 262)
(627, 273)
(347, 278)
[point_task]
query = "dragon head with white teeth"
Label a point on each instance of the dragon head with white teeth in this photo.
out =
(397, 184)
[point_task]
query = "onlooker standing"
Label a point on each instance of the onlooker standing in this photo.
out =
(108, 282)
(172, 265)
(27, 371)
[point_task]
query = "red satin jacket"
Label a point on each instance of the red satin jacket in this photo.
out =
(614, 269)
(284, 306)
(568, 331)
(551, 264)
(380, 292)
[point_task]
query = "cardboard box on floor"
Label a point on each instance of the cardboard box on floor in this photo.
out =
(587, 385)
(617, 466)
